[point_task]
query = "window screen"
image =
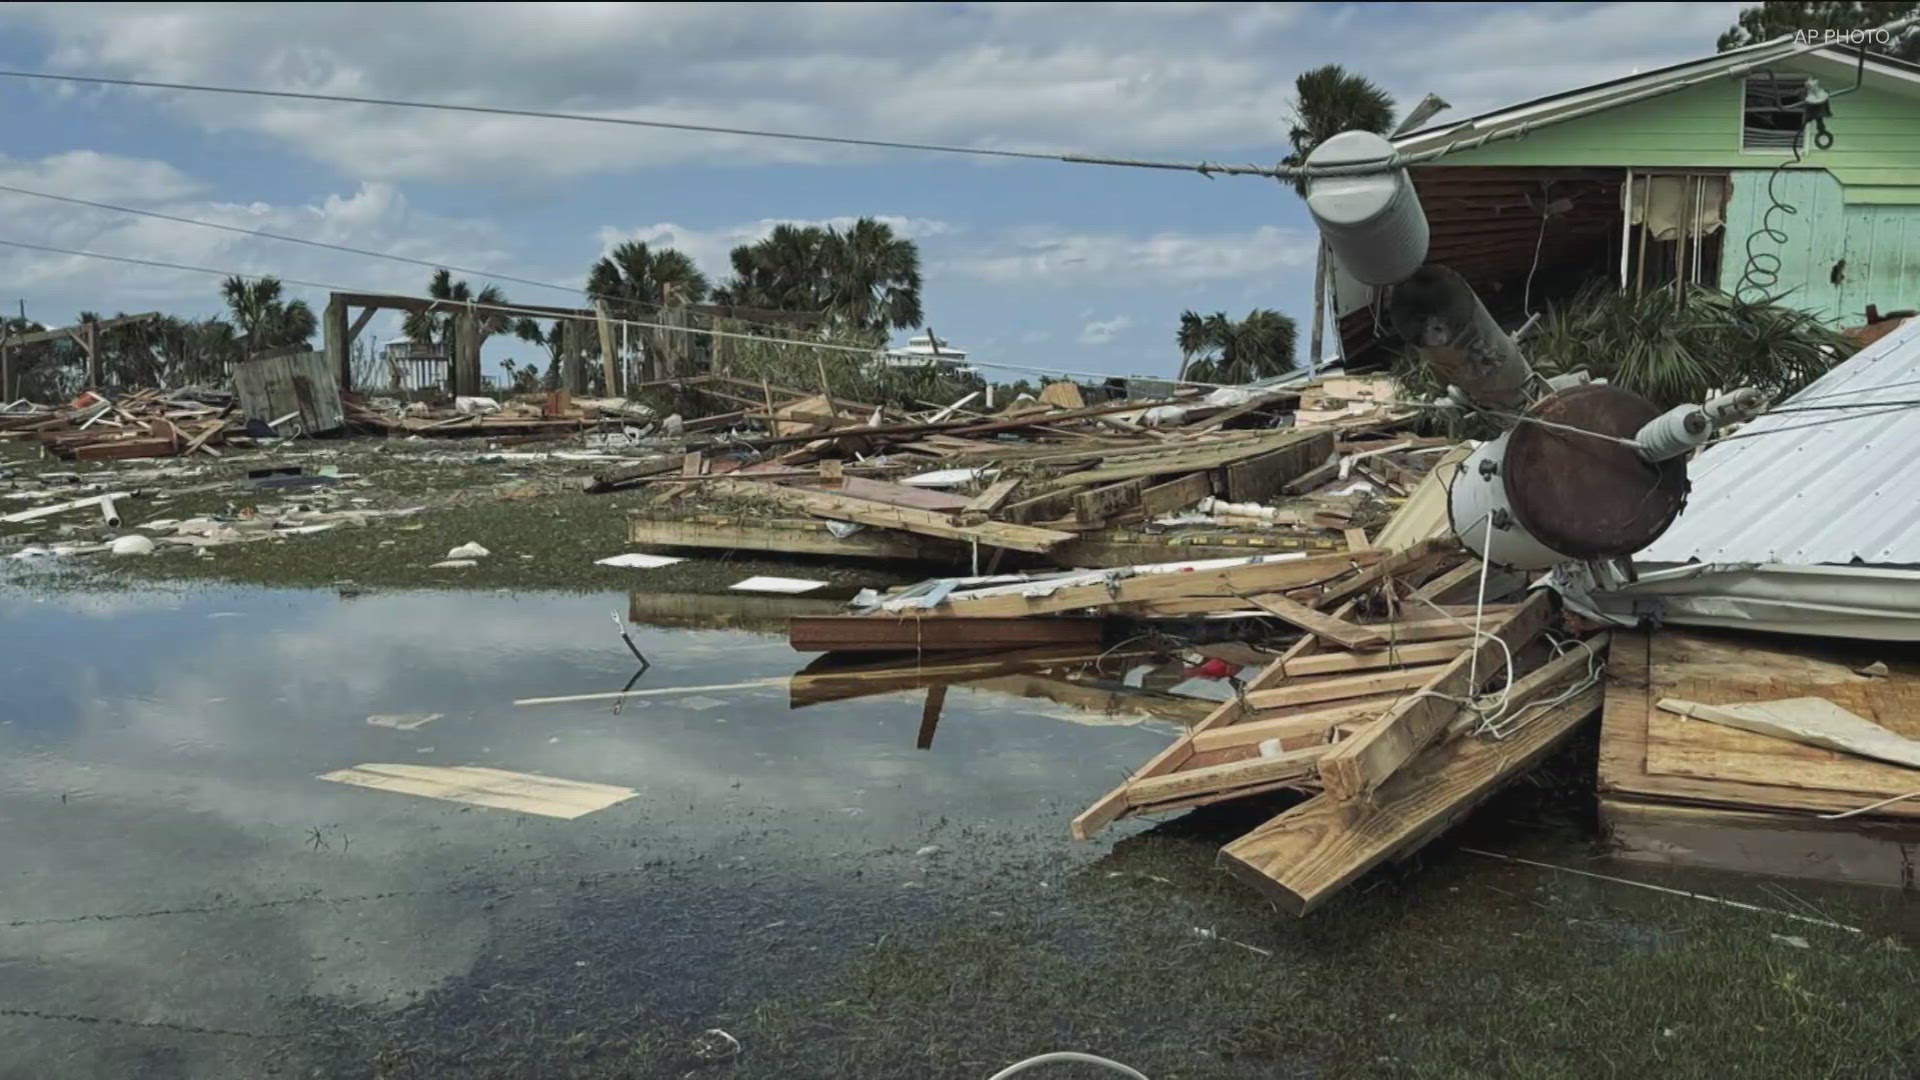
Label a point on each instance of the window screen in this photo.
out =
(1771, 118)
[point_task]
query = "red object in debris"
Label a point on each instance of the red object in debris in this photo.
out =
(1213, 668)
(86, 400)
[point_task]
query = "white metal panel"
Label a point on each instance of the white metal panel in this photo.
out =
(1814, 488)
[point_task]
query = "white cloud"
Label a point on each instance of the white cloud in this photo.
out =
(375, 216)
(1103, 331)
(90, 174)
(1048, 257)
(1164, 79)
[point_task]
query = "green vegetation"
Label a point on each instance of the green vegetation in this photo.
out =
(1215, 348)
(1668, 349)
(1774, 18)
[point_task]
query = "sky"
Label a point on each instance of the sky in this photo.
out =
(1058, 266)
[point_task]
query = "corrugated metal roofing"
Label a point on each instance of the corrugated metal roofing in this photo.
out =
(1844, 491)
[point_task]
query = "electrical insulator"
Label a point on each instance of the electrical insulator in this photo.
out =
(1372, 222)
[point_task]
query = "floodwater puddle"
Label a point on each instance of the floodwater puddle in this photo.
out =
(175, 857)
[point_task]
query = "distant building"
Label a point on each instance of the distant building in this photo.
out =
(926, 350)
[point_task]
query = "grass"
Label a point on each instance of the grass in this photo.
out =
(542, 532)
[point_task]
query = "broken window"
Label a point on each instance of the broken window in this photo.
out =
(1772, 115)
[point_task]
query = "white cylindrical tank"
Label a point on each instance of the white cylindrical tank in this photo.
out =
(1372, 222)
(1477, 498)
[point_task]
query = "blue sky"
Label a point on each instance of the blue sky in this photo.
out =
(1053, 265)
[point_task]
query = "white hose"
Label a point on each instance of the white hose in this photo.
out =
(1067, 1055)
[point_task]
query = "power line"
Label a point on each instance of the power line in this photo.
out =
(866, 352)
(300, 240)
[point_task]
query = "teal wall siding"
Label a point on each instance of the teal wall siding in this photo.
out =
(1880, 244)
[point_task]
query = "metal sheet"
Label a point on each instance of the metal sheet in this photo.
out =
(1813, 488)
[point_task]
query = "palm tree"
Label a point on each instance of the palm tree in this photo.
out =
(1329, 100)
(434, 326)
(1215, 348)
(638, 281)
(866, 279)
(874, 277)
(267, 322)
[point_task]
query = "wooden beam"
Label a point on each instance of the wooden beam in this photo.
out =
(1307, 854)
(924, 522)
(66, 332)
(1399, 656)
(1227, 583)
(334, 341)
(360, 322)
(1386, 566)
(1340, 632)
(906, 633)
(1308, 693)
(1314, 722)
(1095, 505)
(1210, 779)
(1175, 495)
(930, 716)
(990, 499)
(1361, 764)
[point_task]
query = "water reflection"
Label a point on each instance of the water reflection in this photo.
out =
(159, 757)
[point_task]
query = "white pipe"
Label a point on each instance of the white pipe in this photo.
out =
(107, 512)
(61, 508)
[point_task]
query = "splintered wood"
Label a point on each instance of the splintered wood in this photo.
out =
(1395, 727)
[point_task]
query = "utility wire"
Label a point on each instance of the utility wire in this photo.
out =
(446, 305)
(430, 264)
(1282, 172)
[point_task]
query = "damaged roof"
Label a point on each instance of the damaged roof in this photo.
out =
(1834, 485)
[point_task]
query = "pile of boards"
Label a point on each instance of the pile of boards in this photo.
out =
(140, 424)
(1073, 486)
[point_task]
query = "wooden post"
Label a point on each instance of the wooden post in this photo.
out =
(609, 360)
(334, 338)
(6, 373)
(465, 360)
(570, 373)
(826, 390)
(93, 355)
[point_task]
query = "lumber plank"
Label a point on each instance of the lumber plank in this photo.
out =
(1261, 477)
(1318, 623)
(1227, 583)
(906, 633)
(1399, 656)
(924, 522)
(1361, 764)
(1316, 721)
(901, 495)
(1342, 687)
(992, 496)
(1212, 779)
(1407, 632)
(1386, 566)
(1307, 854)
(1175, 495)
(1439, 586)
(1096, 505)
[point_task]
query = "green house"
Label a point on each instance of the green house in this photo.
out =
(1700, 172)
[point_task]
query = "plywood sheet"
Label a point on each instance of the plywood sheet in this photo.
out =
(528, 793)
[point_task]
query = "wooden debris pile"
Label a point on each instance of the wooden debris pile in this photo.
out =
(1399, 705)
(140, 424)
(1075, 486)
(1391, 711)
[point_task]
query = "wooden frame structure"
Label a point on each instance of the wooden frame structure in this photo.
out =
(86, 335)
